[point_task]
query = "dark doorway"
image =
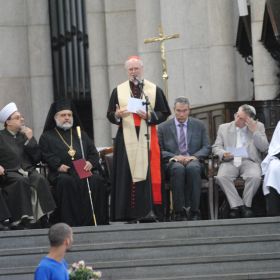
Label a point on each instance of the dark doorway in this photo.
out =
(69, 44)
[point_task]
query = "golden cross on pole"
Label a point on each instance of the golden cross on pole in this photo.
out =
(161, 38)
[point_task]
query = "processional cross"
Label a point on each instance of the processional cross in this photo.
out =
(161, 38)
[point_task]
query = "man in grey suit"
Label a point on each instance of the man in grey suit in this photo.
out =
(184, 141)
(247, 135)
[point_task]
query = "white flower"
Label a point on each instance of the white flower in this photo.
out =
(80, 267)
(97, 274)
(81, 264)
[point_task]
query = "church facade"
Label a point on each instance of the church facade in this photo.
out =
(202, 64)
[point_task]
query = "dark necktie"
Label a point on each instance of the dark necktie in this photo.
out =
(182, 140)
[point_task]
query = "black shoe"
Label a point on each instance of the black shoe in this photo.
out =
(180, 216)
(149, 218)
(16, 227)
(3, 227)
(195, 216)
(36, 225)
(28, 224)
(234, 213)
(188, 213)
(132, 222)
(45, 222)
(246, 212)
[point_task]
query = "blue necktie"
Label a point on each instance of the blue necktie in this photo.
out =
(182, 140)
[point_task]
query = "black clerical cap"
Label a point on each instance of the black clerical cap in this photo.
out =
(57, 106)
(61, 105)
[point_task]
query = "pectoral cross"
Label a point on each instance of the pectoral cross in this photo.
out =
(161, 38)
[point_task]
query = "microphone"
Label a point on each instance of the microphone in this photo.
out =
(140, 82)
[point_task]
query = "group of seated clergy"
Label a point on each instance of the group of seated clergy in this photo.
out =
(27, 199)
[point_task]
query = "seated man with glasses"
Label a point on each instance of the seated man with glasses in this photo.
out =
(26, 192)
(239, 145)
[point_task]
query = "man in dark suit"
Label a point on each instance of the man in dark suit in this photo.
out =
(184, 141)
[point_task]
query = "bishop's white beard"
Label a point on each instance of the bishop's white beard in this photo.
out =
(64, 126)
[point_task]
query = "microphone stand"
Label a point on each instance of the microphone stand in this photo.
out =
(88, 186)
(150, 217)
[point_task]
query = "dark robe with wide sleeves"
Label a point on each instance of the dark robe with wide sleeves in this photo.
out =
(70, 192)
(5, 213)
(132, 201)
(17, 153)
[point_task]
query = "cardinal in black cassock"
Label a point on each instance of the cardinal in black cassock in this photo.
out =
(135, 193)
(60, 146)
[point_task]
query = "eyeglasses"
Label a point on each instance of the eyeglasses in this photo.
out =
(18, 117)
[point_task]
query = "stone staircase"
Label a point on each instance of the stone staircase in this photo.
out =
(216, 249)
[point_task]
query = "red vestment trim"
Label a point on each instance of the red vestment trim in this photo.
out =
(154, 162)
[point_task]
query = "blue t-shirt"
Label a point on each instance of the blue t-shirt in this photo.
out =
(50, 269)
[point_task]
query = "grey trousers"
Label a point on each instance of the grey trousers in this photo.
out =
(250, 172)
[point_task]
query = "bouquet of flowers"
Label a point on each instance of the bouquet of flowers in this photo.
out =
(79, 271)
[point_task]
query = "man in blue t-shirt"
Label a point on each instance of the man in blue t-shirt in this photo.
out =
(53, 266)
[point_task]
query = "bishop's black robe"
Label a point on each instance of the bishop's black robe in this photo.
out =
(131, 201)
(18, 153)
(71, 192)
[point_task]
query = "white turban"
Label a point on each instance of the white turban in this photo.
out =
(8, 110)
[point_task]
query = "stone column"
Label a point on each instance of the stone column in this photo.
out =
(40, 62)
(112, 38)
(265, 68)
(98, 71)
(148, 15)
(14, 66)
(221, 51)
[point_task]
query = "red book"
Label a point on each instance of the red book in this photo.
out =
(79, 167)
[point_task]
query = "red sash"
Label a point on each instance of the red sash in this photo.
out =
(154, 162)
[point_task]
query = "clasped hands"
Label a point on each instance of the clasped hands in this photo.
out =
(184, 159)
(122, 113)
(63, 168)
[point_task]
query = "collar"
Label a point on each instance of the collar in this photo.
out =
(177, 123)
(12, 132)
(243, 129)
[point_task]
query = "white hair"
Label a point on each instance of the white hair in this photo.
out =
(133, 59)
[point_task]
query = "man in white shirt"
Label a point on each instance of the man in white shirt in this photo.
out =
(247, 134)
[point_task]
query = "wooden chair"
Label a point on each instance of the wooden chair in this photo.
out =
(106, 157)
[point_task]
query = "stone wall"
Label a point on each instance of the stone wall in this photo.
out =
(25, 69)
(203, 63)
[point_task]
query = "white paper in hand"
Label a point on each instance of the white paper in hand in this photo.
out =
(238, 152)
(135, 104)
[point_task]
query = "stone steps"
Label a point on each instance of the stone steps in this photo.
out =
(222, 249)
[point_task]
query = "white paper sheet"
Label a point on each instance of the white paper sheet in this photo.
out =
(238, 152)
(135, 104)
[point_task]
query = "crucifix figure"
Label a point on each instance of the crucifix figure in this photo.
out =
(161, 38)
